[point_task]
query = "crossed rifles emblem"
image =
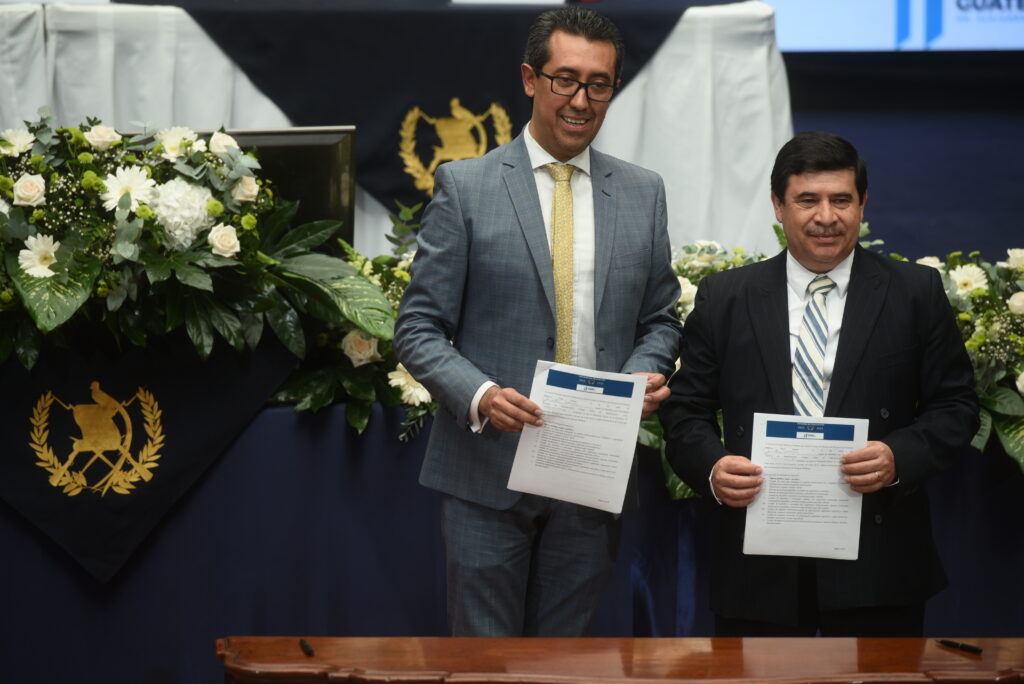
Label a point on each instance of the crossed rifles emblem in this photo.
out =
(103, 438)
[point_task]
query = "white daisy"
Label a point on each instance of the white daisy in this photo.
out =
(20, 141)
(413, 393)
(934, 262)
(968, 278)
(39, 253)
(131, 180)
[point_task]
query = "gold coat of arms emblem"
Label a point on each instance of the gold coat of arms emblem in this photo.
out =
(462, 136)
(100, 458)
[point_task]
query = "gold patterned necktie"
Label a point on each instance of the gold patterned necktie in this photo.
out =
(561, 258)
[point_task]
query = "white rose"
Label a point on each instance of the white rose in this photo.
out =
(30, 191)
(687, 291)
(360, 348)
(1016, 303)
(102, 137)
(1020, 384)
(934, 262)
(220, 142)
(223, 240)
(245, 189)
(20, 141)
(1014, 259)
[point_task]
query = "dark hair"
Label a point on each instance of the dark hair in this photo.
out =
(576, 21)
(817, 151)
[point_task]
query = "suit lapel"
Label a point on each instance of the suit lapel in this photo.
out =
(604, 223)
(864, 301)
(522, 191)
(768, 309)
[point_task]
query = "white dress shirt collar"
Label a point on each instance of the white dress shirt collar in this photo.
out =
(539, 156)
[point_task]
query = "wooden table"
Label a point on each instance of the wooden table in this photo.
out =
(435, 660)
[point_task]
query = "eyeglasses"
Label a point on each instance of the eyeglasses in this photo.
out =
(563, 85)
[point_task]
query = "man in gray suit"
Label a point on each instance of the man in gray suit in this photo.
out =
(481, 310)
(887, 349)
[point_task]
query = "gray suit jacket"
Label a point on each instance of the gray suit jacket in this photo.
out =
(901, 363)
(481, 302)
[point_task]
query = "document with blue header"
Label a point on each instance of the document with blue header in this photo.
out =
(805, 508)
(584, 451)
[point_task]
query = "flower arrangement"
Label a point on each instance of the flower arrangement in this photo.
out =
(350, 363)
(157, 231)
(989, 301)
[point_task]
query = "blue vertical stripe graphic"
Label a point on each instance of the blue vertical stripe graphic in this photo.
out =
(933, 21)
(902, 21)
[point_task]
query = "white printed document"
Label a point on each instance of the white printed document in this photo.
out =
(805, 508)
(584, 451)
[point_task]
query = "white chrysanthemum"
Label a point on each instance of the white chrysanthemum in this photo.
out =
(413, 393)
(180, 207)
(39, 253)
(934, 262)
(173, 139)
(5, 208)
(968, 278)
(20, 141)
(128, 179)
(1014, 259)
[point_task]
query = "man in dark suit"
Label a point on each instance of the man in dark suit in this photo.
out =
(542, 249)
(889, 352)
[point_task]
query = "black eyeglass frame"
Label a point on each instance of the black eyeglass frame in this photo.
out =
(579, 84)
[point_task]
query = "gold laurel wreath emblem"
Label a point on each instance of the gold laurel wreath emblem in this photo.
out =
(424, 176)
(121, 481)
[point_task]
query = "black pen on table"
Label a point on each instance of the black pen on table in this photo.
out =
(960, 646)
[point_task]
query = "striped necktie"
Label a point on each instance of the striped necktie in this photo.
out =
(561, 258)
(809, 360)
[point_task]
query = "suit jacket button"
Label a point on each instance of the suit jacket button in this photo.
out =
(740, 431)
(551, 343)
(884, 413)
(878, 518)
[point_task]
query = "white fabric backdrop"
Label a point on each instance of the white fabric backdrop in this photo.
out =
(708, 112)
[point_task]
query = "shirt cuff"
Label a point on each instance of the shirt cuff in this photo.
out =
(711, 486)
(475, 424)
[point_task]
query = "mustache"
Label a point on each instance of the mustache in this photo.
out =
(824, 231)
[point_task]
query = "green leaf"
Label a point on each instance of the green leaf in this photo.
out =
(780, 235)
(158, 267)
(1011, 435)
(357, 413)
(359, 388)
(317, 266)
(17, 227)
(1003, 400)
(252, 328)
(277, 223)
(365, 305)
(198, 326)
(650, 432)
(225, 323)
(193, 276)
(984, 430)
(677, 489)
(52, 301)
(303, 238)
(285, 323)
(311, 390)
